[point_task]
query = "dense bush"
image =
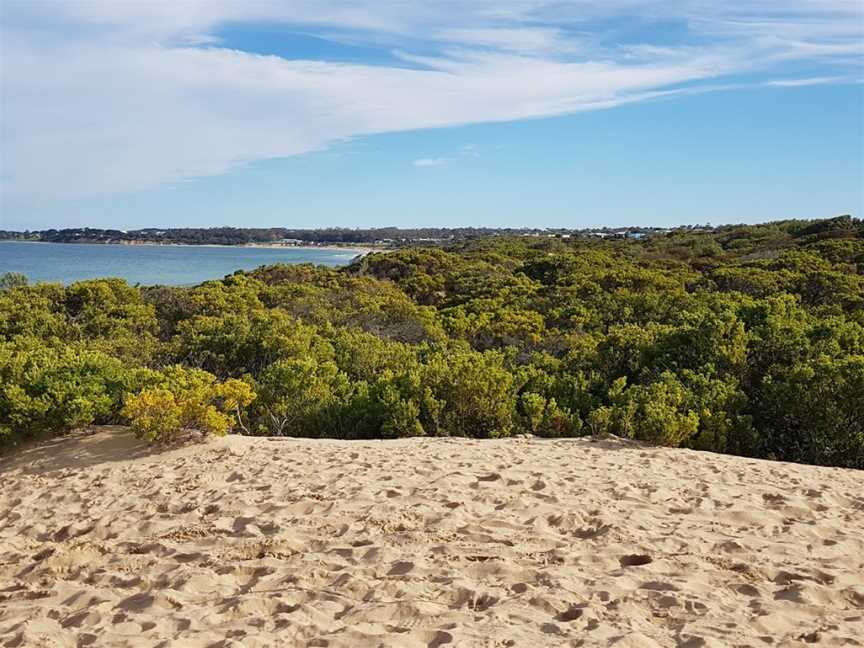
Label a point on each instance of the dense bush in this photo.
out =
(47, 389)
(179, 399)
(746, 339)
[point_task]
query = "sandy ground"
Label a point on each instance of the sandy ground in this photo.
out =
(438, 542)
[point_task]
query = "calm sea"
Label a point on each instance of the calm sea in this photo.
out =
(150, 264)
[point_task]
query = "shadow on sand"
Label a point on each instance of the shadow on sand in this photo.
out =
(108, 444)
(84, 448)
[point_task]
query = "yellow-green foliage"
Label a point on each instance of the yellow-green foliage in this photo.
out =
(153, 413)
(187, 399)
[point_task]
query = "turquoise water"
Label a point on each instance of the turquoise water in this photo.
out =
(151, 264)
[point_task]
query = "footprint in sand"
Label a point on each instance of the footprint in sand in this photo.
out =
(748, 590)
(440, 638)
(773, 499)
(136, 603)
(635, 560)
(659, 586)
(570, 614)
(400, 568)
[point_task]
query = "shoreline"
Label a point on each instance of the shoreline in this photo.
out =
(360, 249)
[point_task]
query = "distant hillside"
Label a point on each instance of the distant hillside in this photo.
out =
(392, 236)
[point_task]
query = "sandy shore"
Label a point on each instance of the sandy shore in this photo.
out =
(416, 542)
(331, 247)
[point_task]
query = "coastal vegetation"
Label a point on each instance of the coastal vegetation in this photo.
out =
(742, 339)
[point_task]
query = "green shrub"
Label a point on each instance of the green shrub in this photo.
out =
(9, 280)
(477, 391)
(543, 416)
(656, 412)
(298, 397)
(46, 390)
(186, 399)
(812, 412)
(745, 339)
(394, 405)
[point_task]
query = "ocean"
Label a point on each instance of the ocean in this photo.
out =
(171, 265)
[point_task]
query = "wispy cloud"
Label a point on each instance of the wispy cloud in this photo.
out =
(794, 83)
(104, 97)
(523, 40)
(466, 151)
(430, 162)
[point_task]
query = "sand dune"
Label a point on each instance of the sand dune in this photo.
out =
(424, 542)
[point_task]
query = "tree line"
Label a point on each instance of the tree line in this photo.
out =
(392, 236)
(745, 340)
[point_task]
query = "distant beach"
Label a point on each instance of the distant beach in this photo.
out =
(344, 247)
(360, 249)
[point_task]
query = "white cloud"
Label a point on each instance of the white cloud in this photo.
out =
(430, 162)
(102, 97)
(146, 115)
(466, 151)
(794, 83)
(525, 40)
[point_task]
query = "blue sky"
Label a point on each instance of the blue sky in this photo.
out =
(362, 113)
